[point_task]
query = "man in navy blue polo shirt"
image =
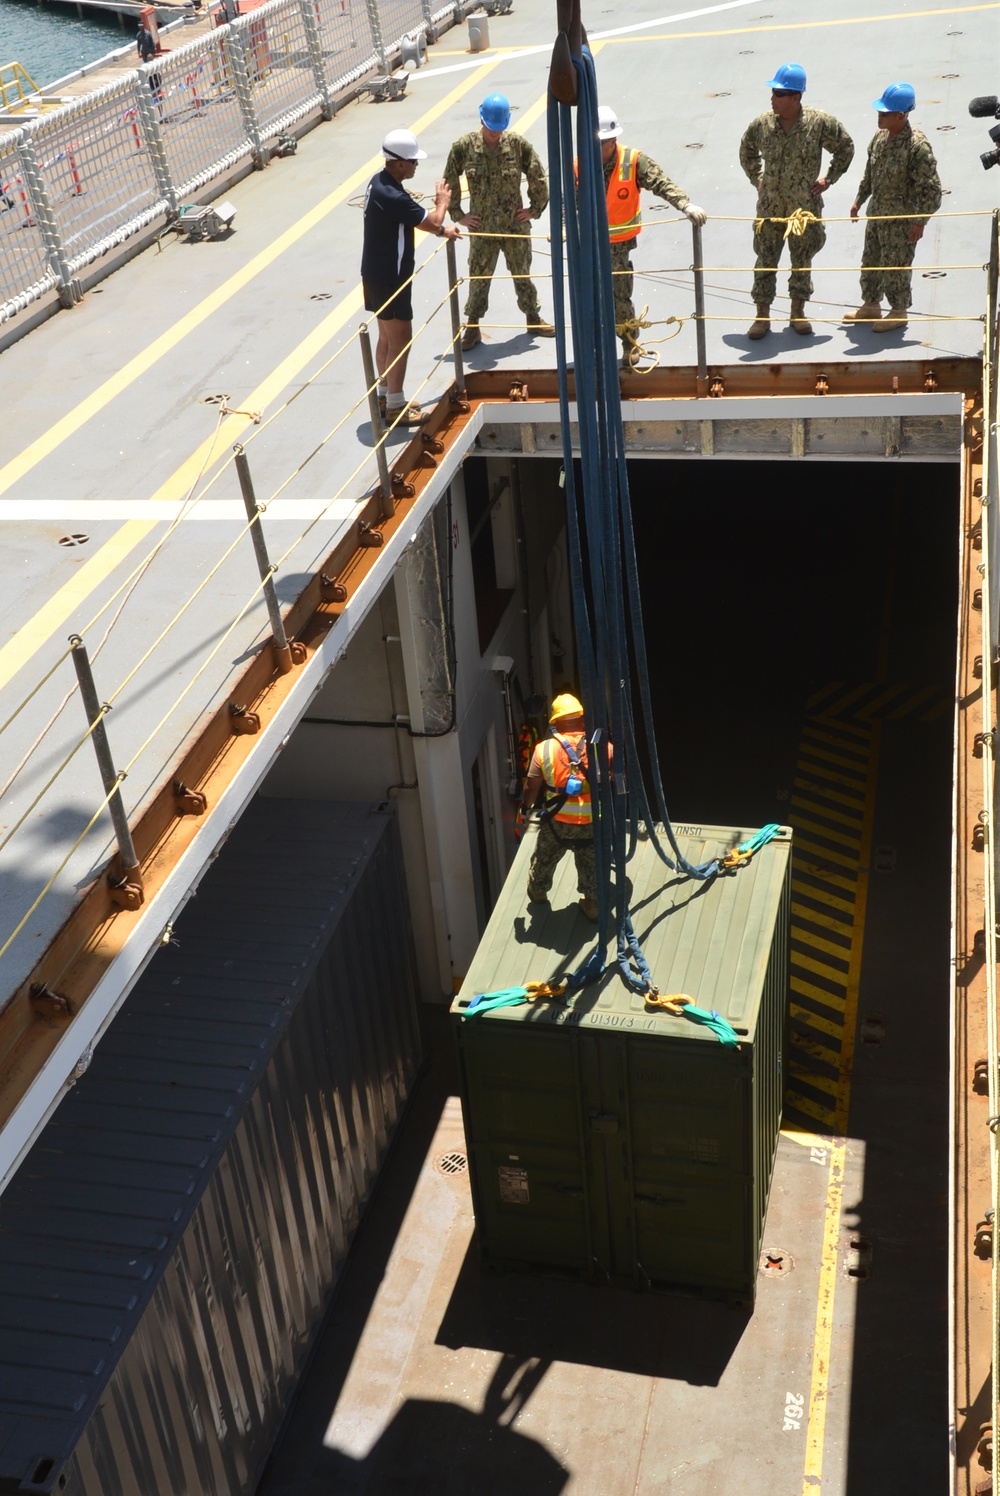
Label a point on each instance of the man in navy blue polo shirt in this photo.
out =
(387, 260)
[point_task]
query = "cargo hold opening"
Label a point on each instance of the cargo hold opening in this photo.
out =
(801, 630)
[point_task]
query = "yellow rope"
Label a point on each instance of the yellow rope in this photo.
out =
(795, 224)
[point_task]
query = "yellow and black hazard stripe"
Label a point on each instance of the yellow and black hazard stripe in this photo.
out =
(874, 701)
(828, 810)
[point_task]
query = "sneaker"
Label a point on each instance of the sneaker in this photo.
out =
(536, 898)
(540, 329)
(407, 415)
(588, 908)
(471, 336)
(381, 406)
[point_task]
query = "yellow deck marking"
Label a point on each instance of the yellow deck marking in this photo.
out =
(837, 739)
(827, 832)
(815, 1109)
(828, 1053)
(822, 896)
(40, 628)
(45, 444)
(811, 752)
(827, 921)
(830, 776)
(17, 651)
(820, 969)
(836, 795)
(821, 808)
(829, 1000)
(871, 707)
(811, 1078)
(801, 803)
(818, 943)
(914, 701)
(814, 1021)
(826, 854)
(830, 1252)
(813, 870)
(912, 15)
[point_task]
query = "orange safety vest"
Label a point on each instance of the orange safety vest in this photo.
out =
(624, 215)
(557, 766)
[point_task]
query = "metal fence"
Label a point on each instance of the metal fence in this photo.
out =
(79, 181)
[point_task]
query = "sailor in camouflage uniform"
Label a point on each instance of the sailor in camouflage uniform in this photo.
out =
(494, 162)
(626, 173)
(781, 153)
(900, 177)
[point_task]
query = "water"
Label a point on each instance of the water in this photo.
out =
(50, 42)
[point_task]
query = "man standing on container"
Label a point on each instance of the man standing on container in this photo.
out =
(626, 173)
(558, 770)
(782, 153)
(901, 176)
(387, 263)
(493, 161)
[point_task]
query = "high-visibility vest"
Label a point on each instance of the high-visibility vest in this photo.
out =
(557, 766)
(624, 215)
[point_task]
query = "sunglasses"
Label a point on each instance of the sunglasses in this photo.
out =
(783, 93)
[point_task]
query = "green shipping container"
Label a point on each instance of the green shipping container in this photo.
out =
(614, 1142)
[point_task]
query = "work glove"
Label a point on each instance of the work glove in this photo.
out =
(698, 216)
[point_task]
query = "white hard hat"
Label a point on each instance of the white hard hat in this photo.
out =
(401, 145)
(608, 127)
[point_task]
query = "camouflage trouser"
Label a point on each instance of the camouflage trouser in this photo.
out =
(768, 242)
(483, 256)
(887, 244)
(550, 847)
(621, 260)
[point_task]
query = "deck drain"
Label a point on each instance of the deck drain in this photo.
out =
(78, 539)
(321, 296)
(872, 1029)
(695, 145)
(451, 1163)
(214, 399)
(775, 1262)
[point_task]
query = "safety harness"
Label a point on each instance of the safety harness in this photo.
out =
(575, 781)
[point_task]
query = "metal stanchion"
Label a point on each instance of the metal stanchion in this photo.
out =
(456, 316)
(126, 888)
(699, 307)
(378, 430)
(286, 655)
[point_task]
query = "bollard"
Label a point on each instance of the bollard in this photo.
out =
(378, 429)
(456, 317)
(699, 307)
(286, 655)
(413, 51)
(479, 32)
(126, 890)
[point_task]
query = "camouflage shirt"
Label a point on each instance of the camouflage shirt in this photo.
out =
(494, 179)
(900, 174)
(652, 178)
(783, 164)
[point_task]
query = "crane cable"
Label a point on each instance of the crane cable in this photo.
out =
(603, 572)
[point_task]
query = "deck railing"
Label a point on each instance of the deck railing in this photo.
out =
(80, 180)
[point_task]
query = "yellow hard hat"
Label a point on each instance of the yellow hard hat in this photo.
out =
(565, 706)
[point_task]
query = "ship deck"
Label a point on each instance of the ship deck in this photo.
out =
(122, 520)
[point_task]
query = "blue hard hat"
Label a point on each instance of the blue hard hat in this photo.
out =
(898, 98)
(495, 112)
(790, 75)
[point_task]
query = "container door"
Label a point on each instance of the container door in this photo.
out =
(686, 1166)
(521, 1098)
